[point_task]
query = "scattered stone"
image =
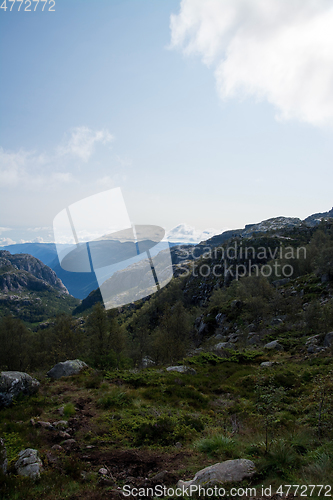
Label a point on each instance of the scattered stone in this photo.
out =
(51, 458)
(224, 472)
(69, 444)
(14, 383)
(29, 464)
(274, 345)
(103, 471)
(57, 447)
(267, 364)
(3, 457)
(61, 424)
(66, 368)
(159, 478)
(64, 435)
(181, 369)
(146, 361)
(45, 425)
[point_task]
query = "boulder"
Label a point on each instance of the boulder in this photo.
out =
(14, 383)
(274, 345)
(253, 339)
(67, 368)
(220, 473)
(146, 361)
(221, 346)
(266, 364)
(328, 340)
(29, 464)
(181, 369)
(3, 457)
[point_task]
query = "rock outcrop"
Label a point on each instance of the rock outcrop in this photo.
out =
(20, 270)
(14, 383)
(29, 464)
(220, 473)
(67, 368)
(181, 369)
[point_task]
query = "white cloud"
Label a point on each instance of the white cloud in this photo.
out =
(183, 233)
(34, 170)
(6, 241)
(82, 142)
(279, 51)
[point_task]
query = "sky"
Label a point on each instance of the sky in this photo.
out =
(211, 114)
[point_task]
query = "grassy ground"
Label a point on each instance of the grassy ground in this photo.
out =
(137, 424)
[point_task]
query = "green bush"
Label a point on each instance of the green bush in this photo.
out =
(117, 398)
(217, 445)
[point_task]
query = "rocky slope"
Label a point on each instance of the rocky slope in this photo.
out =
(30, 290)
(24, 271)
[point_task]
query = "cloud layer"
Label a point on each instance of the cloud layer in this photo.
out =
(39, 170)
(279, 51)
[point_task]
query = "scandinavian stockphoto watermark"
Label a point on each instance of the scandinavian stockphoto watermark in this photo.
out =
(237, 261)
(96, 235)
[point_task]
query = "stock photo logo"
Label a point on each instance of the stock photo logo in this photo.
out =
(130, 261)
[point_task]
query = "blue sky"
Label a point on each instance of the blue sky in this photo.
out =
(216, 114)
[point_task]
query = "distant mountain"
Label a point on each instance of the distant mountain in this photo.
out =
(30, 290)
(78, 284)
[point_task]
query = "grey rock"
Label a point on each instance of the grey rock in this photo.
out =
(147, 362)
(61, 424)
(181, 369)
(69, 444)
(14, 383)
(233, 339)
(274, 345)
(312, 349)
(221, 346)
(67, 368)
(29, 464)
(276, 322)
(220, 473)
(253, 339)
(219, 318)
(266, 364)
(328, 340)
(3, 457)
(236, 304)
(203, 328)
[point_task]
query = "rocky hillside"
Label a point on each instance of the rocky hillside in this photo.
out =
(12, 279)
(29, 289)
